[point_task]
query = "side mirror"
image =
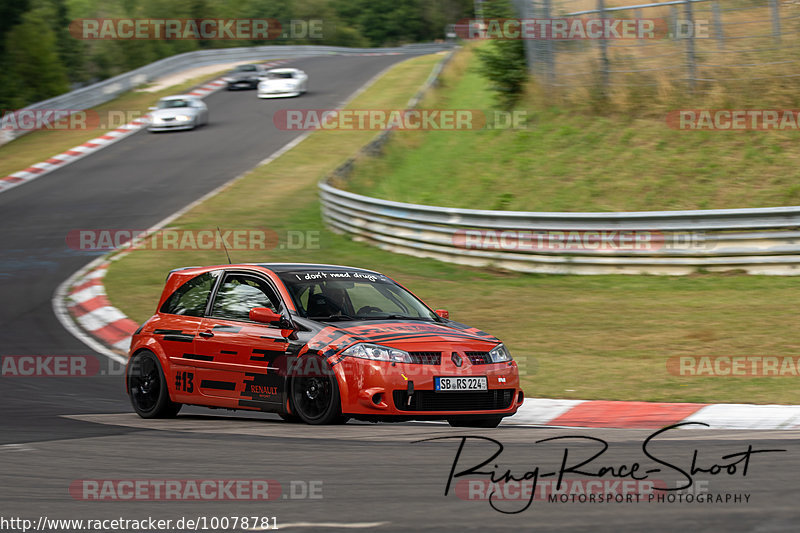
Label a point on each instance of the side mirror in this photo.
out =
(264, 315)
(444, 313)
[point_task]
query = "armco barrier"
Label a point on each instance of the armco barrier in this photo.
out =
(757, 241)
(101, 92)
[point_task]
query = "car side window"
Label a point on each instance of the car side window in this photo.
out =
(239, 293)
(190, 299)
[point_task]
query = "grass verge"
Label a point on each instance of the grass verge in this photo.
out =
(605, 337)
(569, 161)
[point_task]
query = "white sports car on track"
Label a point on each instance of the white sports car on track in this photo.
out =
(282, 83)
(182, 112)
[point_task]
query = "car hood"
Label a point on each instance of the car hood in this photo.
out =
(398, 334)
(166, 113)
(280, 83)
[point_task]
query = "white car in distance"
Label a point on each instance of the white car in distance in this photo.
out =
(283, 83)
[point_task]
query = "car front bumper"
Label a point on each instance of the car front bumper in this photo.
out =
(265, 94)
(171, 126)
(383, 389)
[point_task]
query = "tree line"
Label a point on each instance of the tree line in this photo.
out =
(40, 58)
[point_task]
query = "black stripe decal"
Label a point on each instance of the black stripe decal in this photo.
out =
(228, 352)
(179, 338)
(198, 357)
(218, 385)
(256, 404)
(166, 331)
(266, 355)
(421, 335)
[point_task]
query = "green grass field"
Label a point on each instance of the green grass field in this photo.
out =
(604, 337)
(567, 160)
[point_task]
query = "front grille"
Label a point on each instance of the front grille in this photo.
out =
(428, 400)
(426, 358)
(478, 358)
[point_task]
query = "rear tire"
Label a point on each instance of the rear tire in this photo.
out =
(489, 422)
(147, 387)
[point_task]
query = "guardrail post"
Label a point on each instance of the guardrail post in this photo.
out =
(776, 20)
(523, 10)
(549, 61)
(673, 22)
(691, 60)
(718, 33)
(604, 65)
(637, 13)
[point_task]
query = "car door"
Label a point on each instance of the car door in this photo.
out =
(240, 360)
(178, 322)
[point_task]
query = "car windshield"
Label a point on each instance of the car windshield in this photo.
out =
(352, 295)
(246, 68)
(169, 104)
(280, 75)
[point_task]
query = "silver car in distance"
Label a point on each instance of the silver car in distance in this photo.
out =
(182, 112)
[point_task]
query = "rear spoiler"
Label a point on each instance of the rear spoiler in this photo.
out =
(178, 270)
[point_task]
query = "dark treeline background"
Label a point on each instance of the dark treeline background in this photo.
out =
(39, 58)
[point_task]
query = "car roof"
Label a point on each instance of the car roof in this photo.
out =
(291, 267)
(180, 97)
(278, 267)
(284, 70)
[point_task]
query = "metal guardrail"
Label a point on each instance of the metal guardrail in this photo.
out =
(757, 241)
(101, 92)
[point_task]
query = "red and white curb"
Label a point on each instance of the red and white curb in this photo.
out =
(88, 305)
(651, 415)
(98, 143)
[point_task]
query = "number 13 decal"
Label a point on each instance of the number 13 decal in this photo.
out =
(184, 381)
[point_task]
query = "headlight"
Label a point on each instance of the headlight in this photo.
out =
(183, 118)
(377, 352)
(500, 354)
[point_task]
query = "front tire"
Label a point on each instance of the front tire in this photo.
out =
(147, 387)
(315, 396)
(489, 422)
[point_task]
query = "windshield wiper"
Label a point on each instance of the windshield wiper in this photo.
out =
(393, 317)
(331, 318)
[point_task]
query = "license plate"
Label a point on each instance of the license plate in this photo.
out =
(445, 384)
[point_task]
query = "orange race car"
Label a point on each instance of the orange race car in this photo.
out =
(316, 343)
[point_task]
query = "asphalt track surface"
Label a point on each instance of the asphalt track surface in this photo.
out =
(55, 431)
